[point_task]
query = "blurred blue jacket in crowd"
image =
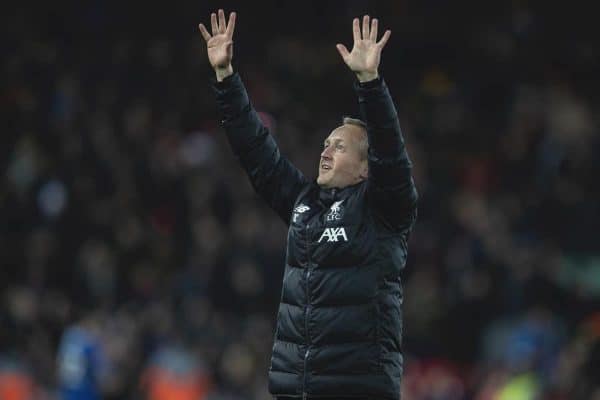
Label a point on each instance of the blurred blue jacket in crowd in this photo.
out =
(81, 363)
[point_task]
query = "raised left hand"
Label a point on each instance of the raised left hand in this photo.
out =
(365, 56)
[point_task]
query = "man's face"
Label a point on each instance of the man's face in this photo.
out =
(342, 163)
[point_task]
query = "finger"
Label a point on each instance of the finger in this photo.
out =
(222, 23)
(384, 39)
(356, 30)
(342, 50)
(365, 30)
(204, 32)
(373, 33)
(213, 24)
(231, 25)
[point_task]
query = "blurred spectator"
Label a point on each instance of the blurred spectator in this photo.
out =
(173, 373)
(82, 362)
(16, 382)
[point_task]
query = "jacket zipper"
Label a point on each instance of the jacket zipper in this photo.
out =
(307, 353)
(304, 394)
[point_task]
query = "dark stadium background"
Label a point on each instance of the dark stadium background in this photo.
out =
(122, 209)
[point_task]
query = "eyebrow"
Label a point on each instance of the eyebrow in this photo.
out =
(334, 140)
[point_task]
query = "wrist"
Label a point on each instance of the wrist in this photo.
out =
(223, 73)
(366, 76)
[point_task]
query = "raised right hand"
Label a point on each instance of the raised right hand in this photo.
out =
(219, 45)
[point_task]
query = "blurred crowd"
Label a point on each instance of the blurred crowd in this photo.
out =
(137, 263)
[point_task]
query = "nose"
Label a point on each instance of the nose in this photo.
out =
(326, 153)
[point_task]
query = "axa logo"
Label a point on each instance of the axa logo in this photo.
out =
(335, 212)
(333, 234)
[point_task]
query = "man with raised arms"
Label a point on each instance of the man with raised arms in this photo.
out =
(339, 322)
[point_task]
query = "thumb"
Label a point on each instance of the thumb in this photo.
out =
(342, 50)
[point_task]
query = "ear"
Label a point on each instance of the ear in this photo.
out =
(364, 171)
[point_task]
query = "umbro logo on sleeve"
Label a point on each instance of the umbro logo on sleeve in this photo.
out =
(301, 208)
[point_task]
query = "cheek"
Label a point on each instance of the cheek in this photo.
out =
(347, 166)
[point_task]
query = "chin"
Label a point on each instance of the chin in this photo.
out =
(321, 181)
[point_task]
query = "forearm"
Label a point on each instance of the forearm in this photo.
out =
(391, 188)
(383, 128)
(244, 129)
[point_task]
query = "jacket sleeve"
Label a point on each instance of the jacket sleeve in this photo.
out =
(391, 191)
(273, 177)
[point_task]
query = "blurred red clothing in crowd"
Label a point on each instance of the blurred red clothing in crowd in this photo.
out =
(174, 375)
(16, 386)
(161, 384)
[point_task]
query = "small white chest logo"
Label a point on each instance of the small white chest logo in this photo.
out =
(335, 212)
(334, 234)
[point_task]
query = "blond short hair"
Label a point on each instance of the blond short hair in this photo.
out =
(364, 143)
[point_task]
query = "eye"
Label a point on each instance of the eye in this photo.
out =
(339, 146)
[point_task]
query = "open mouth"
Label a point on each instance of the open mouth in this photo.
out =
(325, 167)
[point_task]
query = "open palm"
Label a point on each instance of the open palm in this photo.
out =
(219, 45)
(366, 53)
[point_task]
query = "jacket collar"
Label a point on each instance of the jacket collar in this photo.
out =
(328, 196)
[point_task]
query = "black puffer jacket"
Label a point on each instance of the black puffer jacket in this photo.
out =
(339, 322)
